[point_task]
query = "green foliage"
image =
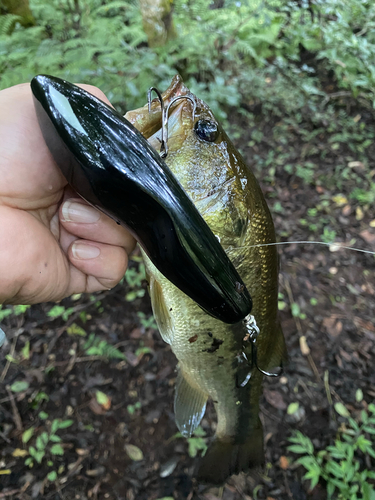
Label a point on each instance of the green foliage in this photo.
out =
(196, 442)
(95, 346)
(147, 322)
(19, 386)
(133, 408)
(12, 310)
(135, 277)
(342, 465)
(46, 444)
(58, 310)
(229, 55)
(7, 23)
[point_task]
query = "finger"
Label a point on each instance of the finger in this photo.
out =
(86, 222)
(97, 266)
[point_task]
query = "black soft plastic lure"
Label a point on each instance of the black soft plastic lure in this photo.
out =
(110, 164)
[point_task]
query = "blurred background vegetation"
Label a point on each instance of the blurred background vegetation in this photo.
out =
(289, 55)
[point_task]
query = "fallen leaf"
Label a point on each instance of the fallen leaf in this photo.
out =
(372, 223)
(362, 324)
(136, 333)
(275, 399)
(367, 236)
(103, 400)
(333, 326)
(82, 452)
(346, 210)
(356, 164)
(359, 213)
(96, 407)
(340, 200)
(134, 452)
(341, 410)
(305, 349)
(284, 462)
(292, 408)
(18, 452)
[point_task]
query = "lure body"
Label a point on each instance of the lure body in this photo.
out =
(110, 164)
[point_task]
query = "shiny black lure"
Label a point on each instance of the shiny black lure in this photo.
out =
(110, 164)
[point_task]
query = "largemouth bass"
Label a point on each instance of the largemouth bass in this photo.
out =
(214, 361)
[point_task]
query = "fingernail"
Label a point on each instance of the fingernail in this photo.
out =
(82, 251)
(78, 212)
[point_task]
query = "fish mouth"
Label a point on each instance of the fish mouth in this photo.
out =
(180, 117)
(180, 122)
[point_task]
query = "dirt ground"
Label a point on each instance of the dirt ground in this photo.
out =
(332, 294)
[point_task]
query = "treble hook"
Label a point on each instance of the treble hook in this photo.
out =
(164, 129)
(254, 360)
(165, 116)
(252, 336)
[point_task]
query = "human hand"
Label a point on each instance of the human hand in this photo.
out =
(52, 243)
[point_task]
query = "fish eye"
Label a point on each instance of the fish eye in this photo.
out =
(206, 130)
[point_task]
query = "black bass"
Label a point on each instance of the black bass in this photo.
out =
(214, 359)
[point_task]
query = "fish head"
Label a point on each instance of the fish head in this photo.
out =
(203, 159)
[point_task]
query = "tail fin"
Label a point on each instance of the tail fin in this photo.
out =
(225, 457)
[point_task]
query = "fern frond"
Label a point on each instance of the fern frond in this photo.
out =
(7, 23)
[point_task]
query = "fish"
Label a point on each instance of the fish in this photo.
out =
(214, 358)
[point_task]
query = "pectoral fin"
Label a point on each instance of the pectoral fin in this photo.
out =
(161, 313)
(189, 405)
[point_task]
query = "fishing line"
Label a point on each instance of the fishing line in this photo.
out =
(335, 246)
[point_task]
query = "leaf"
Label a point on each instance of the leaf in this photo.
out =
(38, 456)
(341, 410)
(75, 329)
(359, 395)
(103, 399)
(297, 448)
(54, 426)
(292, 408)
(133, 452)
(19, 386)
(55, 439)
(56, 311)
(26, 436)
(63, 424)
(41, 441)
(25, 351)
(18, 452)
(57, 449)
(52, 476)
(368, 491)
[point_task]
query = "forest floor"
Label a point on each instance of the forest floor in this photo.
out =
(70, 375)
